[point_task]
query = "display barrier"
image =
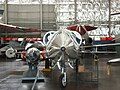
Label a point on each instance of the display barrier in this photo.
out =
(88, 72)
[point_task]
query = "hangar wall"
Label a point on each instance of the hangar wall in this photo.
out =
(65, 12)
(32, 15)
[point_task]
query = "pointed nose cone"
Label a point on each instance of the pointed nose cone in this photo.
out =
(64, 38)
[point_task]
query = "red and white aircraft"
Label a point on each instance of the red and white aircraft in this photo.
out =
(12, 44)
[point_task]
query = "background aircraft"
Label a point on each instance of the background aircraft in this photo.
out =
(11, 47)
(81, 29)
(31, 49)
(33, 57)
(16, 31)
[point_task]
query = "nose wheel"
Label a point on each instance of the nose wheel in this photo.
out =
(63, 80)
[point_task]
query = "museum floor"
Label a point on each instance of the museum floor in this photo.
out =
(11, 77)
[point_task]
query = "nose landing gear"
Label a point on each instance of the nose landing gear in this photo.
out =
(63, 80)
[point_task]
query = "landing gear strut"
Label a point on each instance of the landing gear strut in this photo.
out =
(63, 76)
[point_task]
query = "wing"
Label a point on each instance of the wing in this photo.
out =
(90, 50)
(18, 31)
(81, 29)
(102, 45)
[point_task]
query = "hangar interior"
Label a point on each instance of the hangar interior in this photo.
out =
(52, 15)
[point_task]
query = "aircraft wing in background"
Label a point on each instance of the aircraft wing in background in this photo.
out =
(81, 29)
(16, 30)
(102, 45)
(94, 48)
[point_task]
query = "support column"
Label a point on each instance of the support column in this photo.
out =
(41, 21)
(109, 33)
(75, 1)
(6, 12)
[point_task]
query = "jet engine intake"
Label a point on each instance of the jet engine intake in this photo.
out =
(32, 55)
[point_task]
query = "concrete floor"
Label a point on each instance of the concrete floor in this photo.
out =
(11, 76)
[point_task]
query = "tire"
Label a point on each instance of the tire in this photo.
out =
(62, 83)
